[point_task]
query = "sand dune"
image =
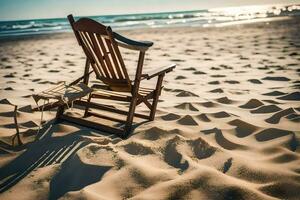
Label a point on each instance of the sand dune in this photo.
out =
(227, 125)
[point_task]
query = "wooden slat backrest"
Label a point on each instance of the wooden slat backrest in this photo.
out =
(103, 53)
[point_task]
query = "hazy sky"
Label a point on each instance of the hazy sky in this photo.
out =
(30, 9)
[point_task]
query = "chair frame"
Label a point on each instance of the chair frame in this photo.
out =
(135, 99)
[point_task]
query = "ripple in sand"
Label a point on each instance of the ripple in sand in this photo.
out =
(11, 75)
(155, 133)
(252, 103)
(186, 106)
(180, 77)
(5, 101)
(218, 90)
(217, 76)
(271, 101)
(295, 96)
(203, 117)
(190, 69)
(221, 114)
(225, 100)
(208, 104)
(232, 82)
(222, 141)
(282, 190)
(255, 81)
(8, 88)
(188, 121)
(177, 60)
(198, 72)
(53, 71)
(243, 129)
(184, 93)
(214, 82)
(271, 133)
(293, 117)
(170, 117)
(274, 93)
(274, 119)
(266, 109)
(284, 158)
(276, 78)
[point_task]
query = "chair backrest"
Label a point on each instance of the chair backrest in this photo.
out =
(102, 51)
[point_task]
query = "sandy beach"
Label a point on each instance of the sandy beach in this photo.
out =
(227, 124)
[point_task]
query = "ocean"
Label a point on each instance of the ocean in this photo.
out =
(204, 18)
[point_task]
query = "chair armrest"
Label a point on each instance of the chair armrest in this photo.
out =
(159, 71)
(132, 44)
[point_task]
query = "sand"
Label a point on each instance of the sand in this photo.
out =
(227, 125)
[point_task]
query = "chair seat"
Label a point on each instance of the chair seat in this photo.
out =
(103, 92)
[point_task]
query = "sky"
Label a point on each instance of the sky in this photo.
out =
(36, 9)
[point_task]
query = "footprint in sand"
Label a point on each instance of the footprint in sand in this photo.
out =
(172, 155)
(134, 148)
(201, 148)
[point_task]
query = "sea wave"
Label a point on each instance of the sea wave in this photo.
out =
(202, 18)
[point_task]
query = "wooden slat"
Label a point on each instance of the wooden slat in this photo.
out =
(116, 98)
(106, 58)
(93, 125)
(88, 53)
(107, 108)
(97, 52)
(106, 117)
(100, 63)
(118, 54)
(114, 59)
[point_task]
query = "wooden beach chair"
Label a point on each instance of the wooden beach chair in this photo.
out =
(103, 57)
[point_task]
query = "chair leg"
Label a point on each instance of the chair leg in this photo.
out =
(130, 115)
(135, 90)
(156, 97)
(60, 111)
(87, 108)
